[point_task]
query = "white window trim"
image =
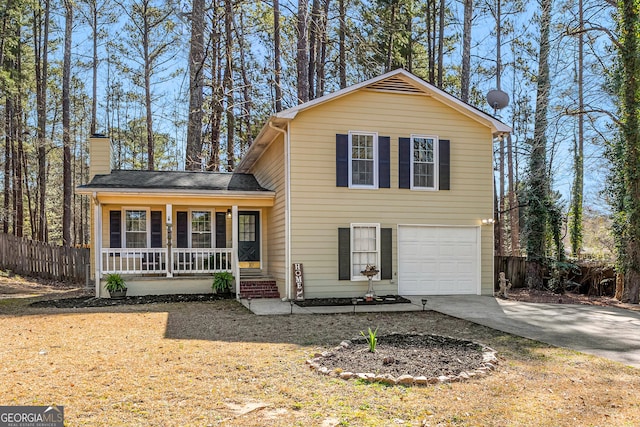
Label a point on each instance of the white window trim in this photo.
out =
(190, 227)
(435, 162)
(360, 277)
(124, 224)
(376, 160)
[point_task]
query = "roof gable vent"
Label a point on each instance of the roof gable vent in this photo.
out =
(396, 84)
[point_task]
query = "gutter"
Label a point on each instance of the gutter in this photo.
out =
(193, 193)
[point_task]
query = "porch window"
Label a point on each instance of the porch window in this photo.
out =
(201, 229)
(365, 248)
(135, 228)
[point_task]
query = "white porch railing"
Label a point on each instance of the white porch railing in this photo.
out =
(134, 261)
(189, 260)
(154, 260)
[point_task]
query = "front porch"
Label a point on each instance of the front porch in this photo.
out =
(182, 271)
(167, 262)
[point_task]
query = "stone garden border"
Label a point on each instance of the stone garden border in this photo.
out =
(489, 363)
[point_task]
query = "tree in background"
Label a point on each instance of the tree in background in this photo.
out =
(66, 125)
(193, 155)
(150, 40)
(626, 153)
(538, 180)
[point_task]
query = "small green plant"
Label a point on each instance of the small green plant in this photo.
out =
(115, 282)
(371, 338)
(222, 281)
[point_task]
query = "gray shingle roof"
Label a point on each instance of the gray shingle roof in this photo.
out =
(175, 180)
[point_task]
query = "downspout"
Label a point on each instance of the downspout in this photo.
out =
(287, 212)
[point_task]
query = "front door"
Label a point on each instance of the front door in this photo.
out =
(249, 239)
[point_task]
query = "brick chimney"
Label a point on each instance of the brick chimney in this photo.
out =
(99, 155)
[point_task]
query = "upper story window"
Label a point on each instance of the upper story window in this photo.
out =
(424, 156)
(135, 223)
(363, 160)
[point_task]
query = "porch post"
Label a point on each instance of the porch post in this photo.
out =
(97, 242)
(234, 246)
(169, 217)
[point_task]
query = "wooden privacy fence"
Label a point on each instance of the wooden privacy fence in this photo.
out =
(515, 269)
(43, 260)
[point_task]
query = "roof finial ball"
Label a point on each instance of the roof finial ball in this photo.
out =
(497, 99)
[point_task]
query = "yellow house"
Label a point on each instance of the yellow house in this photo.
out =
(391, 172)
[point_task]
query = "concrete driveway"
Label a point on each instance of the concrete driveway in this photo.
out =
(608, 332)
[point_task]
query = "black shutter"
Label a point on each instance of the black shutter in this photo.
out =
(221, 230)
(384, 162)
(344, 254)
(386, 261)
(404, 163)
(342, 160)
(115, 227)
(444, 167)
(156, 229)
(182, 228)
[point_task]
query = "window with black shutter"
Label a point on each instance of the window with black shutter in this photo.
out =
(156, 229)
(422, 159)
(115, 229)
(357, 250)
(182, 230)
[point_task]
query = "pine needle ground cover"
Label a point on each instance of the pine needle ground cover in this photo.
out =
(215, 363)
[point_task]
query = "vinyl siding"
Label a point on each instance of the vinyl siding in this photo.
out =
(319, 208)
(269, 170)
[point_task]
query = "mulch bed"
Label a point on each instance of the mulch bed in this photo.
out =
(430, 356)
(87, 301)
(380, 299)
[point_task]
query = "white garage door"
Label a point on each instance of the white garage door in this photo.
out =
(438, 260)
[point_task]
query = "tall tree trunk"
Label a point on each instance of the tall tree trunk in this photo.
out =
(391, 36)
(465, 76)
(193, 160)
(66, 126)
(501, 210)
(277, 65)
(322, 51)
(217, 108)
(430, 22)
(302, 52)
(228, 83)
(41, 38)
(94, 67)
(537, 211)
(247, 105)
(313, 46)
(629, 14)
(514, 215)
(147, 89)
(578, 182)
(441, 44)
(342, 48)
(6, 205)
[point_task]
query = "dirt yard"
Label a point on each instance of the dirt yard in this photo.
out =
(215, 363)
